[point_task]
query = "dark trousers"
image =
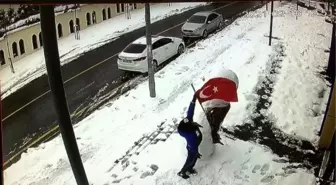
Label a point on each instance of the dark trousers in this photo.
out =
(216, 117)
(191, 161)
(192, 156)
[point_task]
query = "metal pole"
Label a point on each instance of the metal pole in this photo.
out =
(266, 5)
(75, 22)
(9, 58)
(271, 25)
(151, 79)
(52, 61)
(297, 8)
(1, 142)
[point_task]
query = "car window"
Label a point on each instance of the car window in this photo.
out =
(135, 48)
(212, 17)
(166, 41)
(161, 42)
(197, 19)
(157, 44)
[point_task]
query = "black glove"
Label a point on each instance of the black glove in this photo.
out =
(198, 125)
(199, 155)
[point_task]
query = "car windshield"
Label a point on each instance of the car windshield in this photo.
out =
(135, 48)
(197, 19)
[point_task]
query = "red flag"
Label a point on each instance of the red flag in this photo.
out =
(218, 88)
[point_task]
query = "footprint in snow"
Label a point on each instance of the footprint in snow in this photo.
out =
(153, 168)
(264, 169)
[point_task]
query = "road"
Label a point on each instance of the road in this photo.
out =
(29, 113)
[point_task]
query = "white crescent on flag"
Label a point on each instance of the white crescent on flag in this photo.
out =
(202, 95)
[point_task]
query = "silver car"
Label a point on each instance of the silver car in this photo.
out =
(202, 23)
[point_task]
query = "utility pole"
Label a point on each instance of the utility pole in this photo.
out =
(266, 5)
(297, 8)
(6, 37)
(54, 72)
(151, 79)
(271, 25)
(9, 58)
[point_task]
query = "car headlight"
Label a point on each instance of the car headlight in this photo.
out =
(198, 29)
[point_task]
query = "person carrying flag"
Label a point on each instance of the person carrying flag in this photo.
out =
(190, 130)
(218, 93)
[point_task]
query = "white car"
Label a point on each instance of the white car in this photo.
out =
(134, 56)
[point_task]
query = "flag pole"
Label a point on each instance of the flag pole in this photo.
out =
(192, 85)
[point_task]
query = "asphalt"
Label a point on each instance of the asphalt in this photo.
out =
(38, 117)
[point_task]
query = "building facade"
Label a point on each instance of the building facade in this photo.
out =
(28, 39)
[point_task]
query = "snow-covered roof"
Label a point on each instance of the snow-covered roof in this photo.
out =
(31, 20)
(142, 40)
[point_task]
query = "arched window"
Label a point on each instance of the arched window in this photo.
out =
(71, 26)
(2, 58)
(59, 30)
(104, 14)
(22, 48)
(15, 49)
(88, 19)
(34, 41)
(94, 20)
(118, 7)
(122, 7)
(78, 23)
(40, 38)
(109, 13)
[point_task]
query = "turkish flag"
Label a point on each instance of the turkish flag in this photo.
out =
(218, 88)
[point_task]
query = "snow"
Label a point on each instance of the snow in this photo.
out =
(126, 128)
(33, 65)
(297, 103)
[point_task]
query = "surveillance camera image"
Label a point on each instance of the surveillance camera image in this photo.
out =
(169, 92)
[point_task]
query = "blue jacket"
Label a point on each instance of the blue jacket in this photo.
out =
(188, 129)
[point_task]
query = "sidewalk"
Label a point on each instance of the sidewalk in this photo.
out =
(33, 66)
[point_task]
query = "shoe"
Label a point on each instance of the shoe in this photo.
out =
(192, 171)
(183, 175)
(216, 141)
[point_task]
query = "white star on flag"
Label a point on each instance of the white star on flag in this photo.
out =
(215, 89)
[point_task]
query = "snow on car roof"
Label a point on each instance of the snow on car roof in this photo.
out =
(142, 40)
(204, 13)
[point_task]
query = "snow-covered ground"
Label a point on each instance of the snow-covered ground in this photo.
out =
(133, 140)
(33, 65)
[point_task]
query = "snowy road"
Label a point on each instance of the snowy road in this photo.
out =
(85, 92)
(141, 147)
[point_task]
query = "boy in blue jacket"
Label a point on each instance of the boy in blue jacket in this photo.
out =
(189, 129)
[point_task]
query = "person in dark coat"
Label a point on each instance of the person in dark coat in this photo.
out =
(216, 116)
(331, 164)
(190, 130)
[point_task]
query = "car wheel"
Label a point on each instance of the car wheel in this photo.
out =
(180, 49)
(155, 66)
(220, 25)
(186, 40)
(205, 34)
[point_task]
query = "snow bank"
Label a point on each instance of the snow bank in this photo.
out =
(300, 95)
